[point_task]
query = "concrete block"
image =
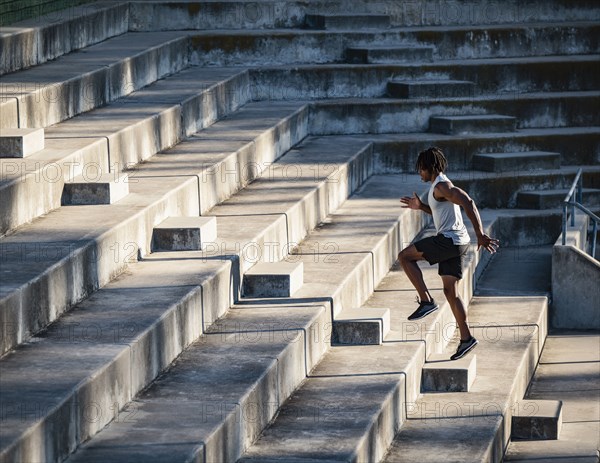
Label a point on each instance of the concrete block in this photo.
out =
(105, 189)
(537, 420)
(459, 125)
(20, 143)
(184, 233)
(517, 162)
(388, 54)
(280, 279)
(443, 375)
(351, 22)
(361, 326)
(430, 88)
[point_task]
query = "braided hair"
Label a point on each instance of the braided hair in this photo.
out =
(432, 159)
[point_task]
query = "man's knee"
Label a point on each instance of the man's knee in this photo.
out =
(409, 254)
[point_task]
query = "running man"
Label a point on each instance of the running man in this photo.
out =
(448, 247)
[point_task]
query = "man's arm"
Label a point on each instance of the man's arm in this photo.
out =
(454, 194)
(415, 203)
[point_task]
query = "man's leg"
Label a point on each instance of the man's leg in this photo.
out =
(408, 259)
(456, 304)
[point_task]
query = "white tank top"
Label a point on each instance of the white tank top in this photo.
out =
(447, 217)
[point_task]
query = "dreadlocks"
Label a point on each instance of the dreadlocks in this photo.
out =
(432, 160)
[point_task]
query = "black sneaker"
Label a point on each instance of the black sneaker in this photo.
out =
(464, 347)
(425, 308)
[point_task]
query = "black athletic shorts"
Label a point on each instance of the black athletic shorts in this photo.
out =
(442, 250)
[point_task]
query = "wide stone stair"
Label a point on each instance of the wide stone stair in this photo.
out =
(200, 218)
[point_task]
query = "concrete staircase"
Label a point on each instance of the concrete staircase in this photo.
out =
(199, 211)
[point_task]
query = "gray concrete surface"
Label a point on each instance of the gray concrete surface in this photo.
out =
(569, 371)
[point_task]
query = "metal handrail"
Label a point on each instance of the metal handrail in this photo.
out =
(578, 183)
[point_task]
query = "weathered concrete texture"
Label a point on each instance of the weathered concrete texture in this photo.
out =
(347, 410)
(361, 326)
(569, 371)
(133, 130)
(102, 189)
(160, 115)
(510, 76)
(502, 189)
(350, 22)
(518, 270)
(546, 199)
(397, 153)
(279, 279)
(389, 54)
(42, 175)
(461, 125)
(405, 45)
(526, 160)
(184, 233)
(262, 15)
(90, 78)
(38, 40)
(429, 88)
(443, 375)
(472, 427)
(576, 299)
(537, 420)
(20, 143)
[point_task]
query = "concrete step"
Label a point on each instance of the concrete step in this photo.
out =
(20, 143)
(35, 41)
(348, 409)
(188, 291)
(503, 189)
(150, 16)
(260, 47)
(428, 88)
(397, 153)
(87, 79)
(545, 199)
(510, 76)
(511, 332)
(345, 21)
(384, 115)
(101, 240)
(357, 398)
(116, 137)
(537, 420)
(235, 343)
(478, 123)
(389, 54)
(518, 161)
(567, 372)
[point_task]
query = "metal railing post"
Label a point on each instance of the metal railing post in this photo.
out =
(564, 224)
(594, 239)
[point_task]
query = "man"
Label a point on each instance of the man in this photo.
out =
(448, 247)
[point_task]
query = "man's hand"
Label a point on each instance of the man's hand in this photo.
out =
(490, 244)
(411, 202)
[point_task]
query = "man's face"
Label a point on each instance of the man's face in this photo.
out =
(425, 175)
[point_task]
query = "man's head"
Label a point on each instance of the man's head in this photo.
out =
(430, 163)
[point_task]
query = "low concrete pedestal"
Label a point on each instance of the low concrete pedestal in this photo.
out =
(536, 420)
(443, 375)
(361, 326)
(107, 189)
(279, 279)
(184, 233)
(20, 143)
